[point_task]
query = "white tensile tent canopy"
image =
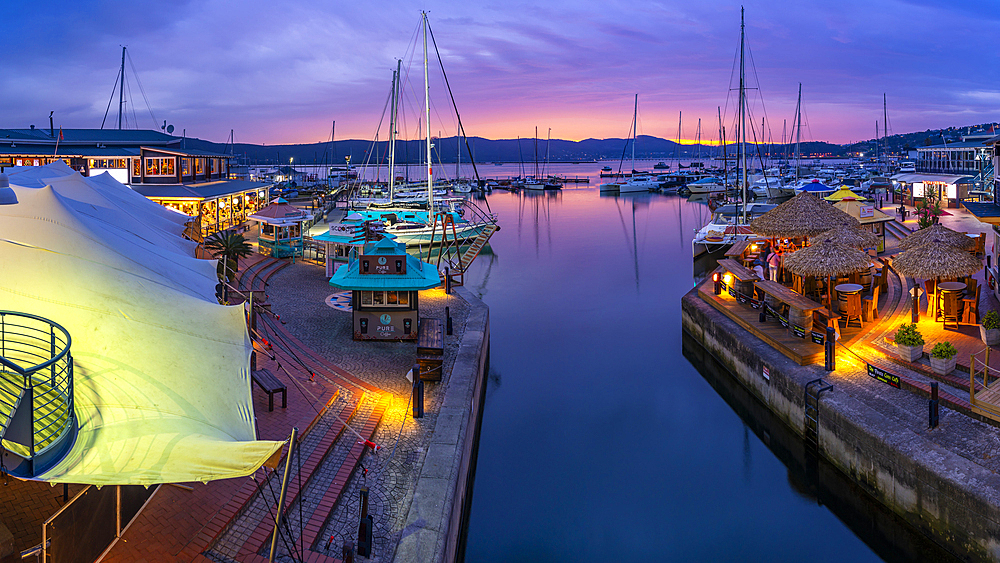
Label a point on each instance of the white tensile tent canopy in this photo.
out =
(162, 383)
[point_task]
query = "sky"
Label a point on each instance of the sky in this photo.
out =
(278, 72)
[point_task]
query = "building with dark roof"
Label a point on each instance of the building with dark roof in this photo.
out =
(194, 182)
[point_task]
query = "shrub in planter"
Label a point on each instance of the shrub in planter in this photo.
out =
(989, 331)
(943, 358)
(909, 342)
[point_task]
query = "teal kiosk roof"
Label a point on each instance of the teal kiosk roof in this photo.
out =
(385, 266)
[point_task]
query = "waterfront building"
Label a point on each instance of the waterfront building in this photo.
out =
(948, 172)
(988, 212)
(194, 182)
(280, 229)
(384, 282)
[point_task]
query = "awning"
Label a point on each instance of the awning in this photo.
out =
(911, 178)
(162, 381)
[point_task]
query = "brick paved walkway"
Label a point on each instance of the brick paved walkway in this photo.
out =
(327, 373)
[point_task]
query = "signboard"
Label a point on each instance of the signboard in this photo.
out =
(867, 210)
(817, 337)
(385, 325)
(883, 376)
(766, 374)
(798, 331)
(383, 265)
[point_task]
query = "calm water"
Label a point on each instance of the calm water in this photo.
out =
(600, 439)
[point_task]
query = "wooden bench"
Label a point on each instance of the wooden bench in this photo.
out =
(271, 385)
(740, 271)
(430, 349)
(800, 306)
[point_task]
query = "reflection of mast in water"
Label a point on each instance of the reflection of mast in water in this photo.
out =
(633, 249)
(486, 276)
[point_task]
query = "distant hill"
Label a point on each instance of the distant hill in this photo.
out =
(558, 150)
(490, 150)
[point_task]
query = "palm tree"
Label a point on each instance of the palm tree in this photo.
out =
(228, 247)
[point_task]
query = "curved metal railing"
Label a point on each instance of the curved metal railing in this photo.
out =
(37, 420)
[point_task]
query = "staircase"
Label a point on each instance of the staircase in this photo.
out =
(897, 229)
(457, 261)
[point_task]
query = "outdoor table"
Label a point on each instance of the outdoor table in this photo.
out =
(947, 288)
(849, 288)
(951, 286)
(845, 289)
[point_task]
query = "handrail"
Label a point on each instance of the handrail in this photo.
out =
(37, 417)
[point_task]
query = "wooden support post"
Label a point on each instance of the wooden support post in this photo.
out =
(972, 379)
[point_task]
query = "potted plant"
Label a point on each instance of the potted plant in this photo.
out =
(989, 331)
(943, 358)
(909, 342)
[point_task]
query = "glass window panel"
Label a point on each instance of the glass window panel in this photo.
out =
(378, 298)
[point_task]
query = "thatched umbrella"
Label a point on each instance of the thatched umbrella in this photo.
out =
(858, 238)
(940, 233)
(931, 260)
(804, 215)
(826, 258)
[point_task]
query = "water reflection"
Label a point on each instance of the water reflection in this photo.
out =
(812, 478)
(602, 442)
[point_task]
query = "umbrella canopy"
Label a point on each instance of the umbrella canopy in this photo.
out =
(815, 186)
(844, 193)
(857, 238)
(804, 215)
(936, 259)
(938, 233)
(826, 258)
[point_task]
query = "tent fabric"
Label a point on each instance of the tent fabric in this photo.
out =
(161, 370)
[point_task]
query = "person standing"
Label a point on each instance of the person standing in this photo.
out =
(773, 261)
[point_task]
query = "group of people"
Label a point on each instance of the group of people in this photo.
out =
(770, 259)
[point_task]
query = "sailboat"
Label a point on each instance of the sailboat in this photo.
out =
(636, 182)
(731, 223)
(414, 222)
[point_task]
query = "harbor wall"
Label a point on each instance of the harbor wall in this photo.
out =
(950, 499)
(435, 525)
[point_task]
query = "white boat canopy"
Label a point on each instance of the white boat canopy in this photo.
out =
(162, 386)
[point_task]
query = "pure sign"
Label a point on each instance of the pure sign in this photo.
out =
(883, 376)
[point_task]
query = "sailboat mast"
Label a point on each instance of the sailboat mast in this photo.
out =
(798, 132)
(743, 121)
(725, 157)
(699, 139)
(635, 114)
(427, 115)
(121, 91)
(885, 135)
(392, 132)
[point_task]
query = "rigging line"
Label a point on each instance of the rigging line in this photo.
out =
(142, 91)
(270, 512)
(461, 127)
(111, 99)
(286, 347)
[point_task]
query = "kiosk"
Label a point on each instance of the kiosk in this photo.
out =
(280, 229)
(384, 281)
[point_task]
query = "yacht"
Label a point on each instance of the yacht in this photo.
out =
(724, 228)
(707, 185)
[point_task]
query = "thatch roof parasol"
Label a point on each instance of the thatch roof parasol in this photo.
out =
(857, 238)
(935, 259)
(940, 233)
(804, 215)
(826, 258)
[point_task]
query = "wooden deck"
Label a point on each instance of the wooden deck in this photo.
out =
(801, 350)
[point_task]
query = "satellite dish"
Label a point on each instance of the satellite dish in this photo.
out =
(170, 129)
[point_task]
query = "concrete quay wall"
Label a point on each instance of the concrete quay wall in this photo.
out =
(949, 498)
(434, 526)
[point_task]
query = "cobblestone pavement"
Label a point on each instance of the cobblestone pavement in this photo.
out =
(298, 294)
